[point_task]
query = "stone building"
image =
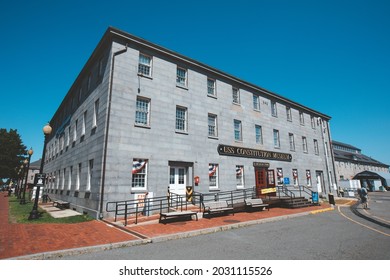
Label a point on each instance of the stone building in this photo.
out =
(140, 118)
(354, 169)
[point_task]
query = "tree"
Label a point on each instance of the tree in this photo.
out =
(12, 153)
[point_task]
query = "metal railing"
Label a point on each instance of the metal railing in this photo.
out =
(146, 207)
(231, 197)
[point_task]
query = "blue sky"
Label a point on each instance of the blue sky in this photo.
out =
(332, 56)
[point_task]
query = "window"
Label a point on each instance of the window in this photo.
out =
(211, 87)
(139, 172)
(75, 131)
(259, 134)
(63, 179)
(181, 77)
(142, 111)
(308, 178)
(181, 119)
(95, 114)
(279, 174)
(90, 174)
(295, 177)
(274, 110)
(212, 122)
(70, 178)
(145, 65)
(276, 139)
(301, 118)
(313, 122)
(289, 115)
(78, 180)
(84, 123)
(239, 176)
(237, 130)
(236, 95)
(68, 137)
(213, 175)
(304, 144)
(292, 142)
(316, 150)
(256, 102)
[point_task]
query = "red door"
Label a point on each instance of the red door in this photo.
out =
(261, 180)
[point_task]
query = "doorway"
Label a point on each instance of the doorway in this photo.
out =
(261, 179)
(178, 180)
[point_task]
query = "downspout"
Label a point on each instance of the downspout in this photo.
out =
(111, 85)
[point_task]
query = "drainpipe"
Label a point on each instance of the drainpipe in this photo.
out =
(111, 84)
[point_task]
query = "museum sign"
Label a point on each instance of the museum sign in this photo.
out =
(226, 150)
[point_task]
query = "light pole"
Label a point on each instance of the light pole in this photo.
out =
(34, 212)
(30, 153)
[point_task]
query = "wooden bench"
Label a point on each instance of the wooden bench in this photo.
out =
(61, 204)
(255, 203)
(212, 207)
(176, 214)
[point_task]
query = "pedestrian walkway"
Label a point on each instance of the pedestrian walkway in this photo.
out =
(40, 241)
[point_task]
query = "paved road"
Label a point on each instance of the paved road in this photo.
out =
(333, 235)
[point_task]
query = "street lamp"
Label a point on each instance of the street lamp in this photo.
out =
(27, 162)
(34, 212)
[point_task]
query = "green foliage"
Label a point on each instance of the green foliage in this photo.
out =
(12, 153)
(19, 213)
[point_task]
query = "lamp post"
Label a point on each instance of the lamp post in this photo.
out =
(34, 212)
(30, 153)
(20, 182)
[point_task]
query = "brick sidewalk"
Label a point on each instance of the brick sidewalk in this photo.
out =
(26, 239)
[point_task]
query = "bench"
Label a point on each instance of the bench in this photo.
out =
(176, 214)
(256, 203)
(61, 204)
(212, 207)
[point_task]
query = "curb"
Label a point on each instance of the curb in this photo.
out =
(81, 250)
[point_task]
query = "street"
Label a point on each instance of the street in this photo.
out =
(332, 235)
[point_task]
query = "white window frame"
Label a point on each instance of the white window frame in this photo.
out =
(181, 124)
(304, 144)
(238, 130)
(289, 114)
(276, 136)
(291, 141)
(181, 80)
(240, 176)
(144, 67)
(301, 118)
(90, 174)
(211, 89)
(259, 134)
(84, 123)
(236, 95)
(316, 148)
(95, 113)
(212, 121)
(144, 110)
(274, 109)
(213, 176)
(256, 102)
(139, 178)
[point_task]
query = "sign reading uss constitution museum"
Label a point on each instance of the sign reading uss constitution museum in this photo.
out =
(226, 150)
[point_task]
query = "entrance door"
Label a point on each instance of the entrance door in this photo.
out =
(319, 181)
(178, 180)
(261, 180)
